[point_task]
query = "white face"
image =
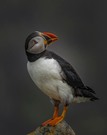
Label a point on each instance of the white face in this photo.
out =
(36, 45)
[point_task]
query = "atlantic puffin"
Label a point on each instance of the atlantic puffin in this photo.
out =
(54, 76)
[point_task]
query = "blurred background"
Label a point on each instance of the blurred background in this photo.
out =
(80, 26)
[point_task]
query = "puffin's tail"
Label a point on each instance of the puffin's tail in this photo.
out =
(85, 94)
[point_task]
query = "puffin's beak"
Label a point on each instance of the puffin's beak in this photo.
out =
(50, 38)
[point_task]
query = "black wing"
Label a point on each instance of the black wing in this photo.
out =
(72, 78)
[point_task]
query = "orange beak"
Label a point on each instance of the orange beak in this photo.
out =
(50, 38)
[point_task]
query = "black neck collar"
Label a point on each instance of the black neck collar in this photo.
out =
(33, 57)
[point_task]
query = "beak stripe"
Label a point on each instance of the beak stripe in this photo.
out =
(48, 39)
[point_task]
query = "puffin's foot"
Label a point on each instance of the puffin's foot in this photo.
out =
(56, 108)
(55, 120)
(47, 122)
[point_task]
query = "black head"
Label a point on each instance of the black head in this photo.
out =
(37, 41)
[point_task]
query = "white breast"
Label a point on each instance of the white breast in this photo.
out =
(46, 75)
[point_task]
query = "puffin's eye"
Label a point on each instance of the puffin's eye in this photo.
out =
(34, 42)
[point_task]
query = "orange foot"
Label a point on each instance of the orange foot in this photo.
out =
(47, 122)
(55, 121)
(56, 108)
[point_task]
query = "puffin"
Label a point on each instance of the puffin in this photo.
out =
(54, 76)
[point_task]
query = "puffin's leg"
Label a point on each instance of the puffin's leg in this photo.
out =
(58, 119)
(55, 114)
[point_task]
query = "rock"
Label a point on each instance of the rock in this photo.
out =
(61, 128)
